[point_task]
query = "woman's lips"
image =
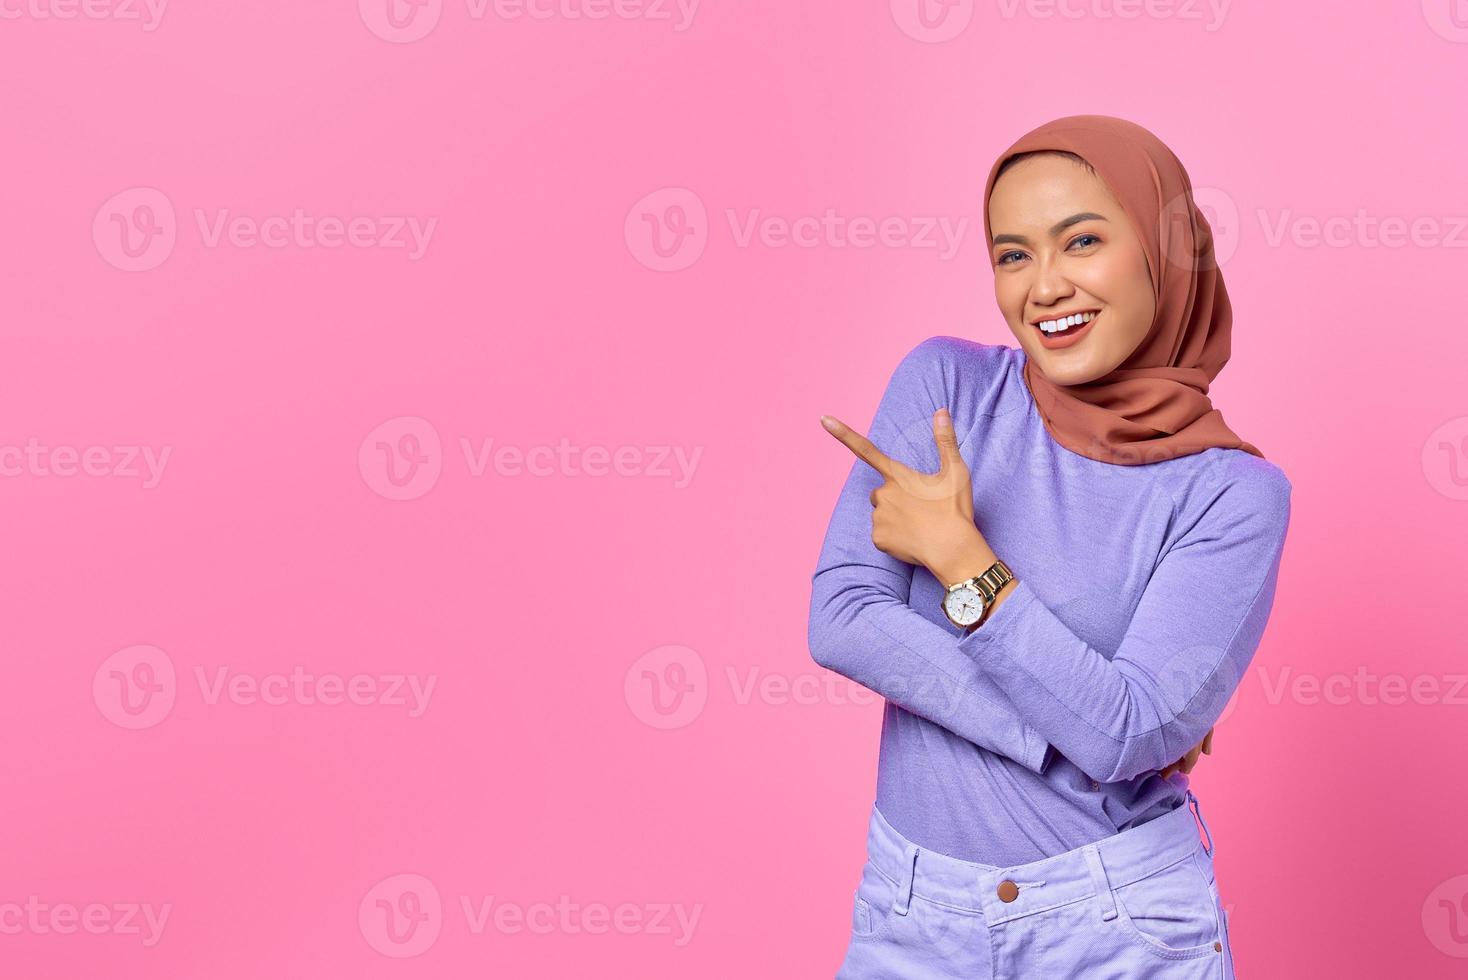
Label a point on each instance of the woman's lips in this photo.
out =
(1057, 341)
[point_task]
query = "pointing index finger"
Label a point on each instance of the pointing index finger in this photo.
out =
(860, 445)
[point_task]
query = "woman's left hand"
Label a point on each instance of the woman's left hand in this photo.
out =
(920, 518)
(1187, 762)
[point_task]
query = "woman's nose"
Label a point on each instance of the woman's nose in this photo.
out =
(1049, 285)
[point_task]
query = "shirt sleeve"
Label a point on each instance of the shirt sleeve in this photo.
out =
(861, 625)
(1192, 636)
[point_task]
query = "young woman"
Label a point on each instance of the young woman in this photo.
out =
(1055, 562)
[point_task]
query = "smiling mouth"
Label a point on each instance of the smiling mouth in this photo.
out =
(1062, 326)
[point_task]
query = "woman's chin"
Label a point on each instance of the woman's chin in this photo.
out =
(1068, 366)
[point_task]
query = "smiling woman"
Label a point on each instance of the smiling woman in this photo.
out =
(1055, 563)
(1056, 276)
(1113, 231)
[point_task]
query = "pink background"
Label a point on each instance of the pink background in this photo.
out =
(552, 764)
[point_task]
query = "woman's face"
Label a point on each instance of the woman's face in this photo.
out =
(1063, 245)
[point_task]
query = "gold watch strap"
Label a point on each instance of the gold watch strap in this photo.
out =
(989, 581)
(994, 578)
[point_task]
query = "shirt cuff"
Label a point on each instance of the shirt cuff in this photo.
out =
(1003, 620)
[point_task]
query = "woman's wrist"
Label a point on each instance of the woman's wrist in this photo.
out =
(969, 555)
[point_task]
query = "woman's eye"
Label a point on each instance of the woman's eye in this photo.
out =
(1083, 240)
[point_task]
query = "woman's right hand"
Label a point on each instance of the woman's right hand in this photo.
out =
(1187, 762)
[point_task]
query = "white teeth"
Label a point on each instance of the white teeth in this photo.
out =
(1052, 326)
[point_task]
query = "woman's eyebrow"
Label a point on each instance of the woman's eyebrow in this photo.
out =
(1055, 229)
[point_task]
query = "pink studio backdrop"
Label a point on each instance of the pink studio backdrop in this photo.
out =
(412, 476)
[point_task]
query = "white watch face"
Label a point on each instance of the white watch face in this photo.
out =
(965, 605)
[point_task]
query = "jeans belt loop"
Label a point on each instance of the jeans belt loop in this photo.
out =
(1198, 811)
(1099, 880)
(904, 887)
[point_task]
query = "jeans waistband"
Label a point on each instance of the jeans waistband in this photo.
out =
(1036, 886)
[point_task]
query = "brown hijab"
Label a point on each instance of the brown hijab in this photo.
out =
(1154, 405)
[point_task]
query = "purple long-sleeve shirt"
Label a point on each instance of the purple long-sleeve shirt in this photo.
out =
(1142, 593)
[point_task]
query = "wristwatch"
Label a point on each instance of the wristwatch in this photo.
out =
(968, 602)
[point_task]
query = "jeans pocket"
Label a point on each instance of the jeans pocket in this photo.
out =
(1223, 924)
(1173, 912)
(861, 918)
(870, 903)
